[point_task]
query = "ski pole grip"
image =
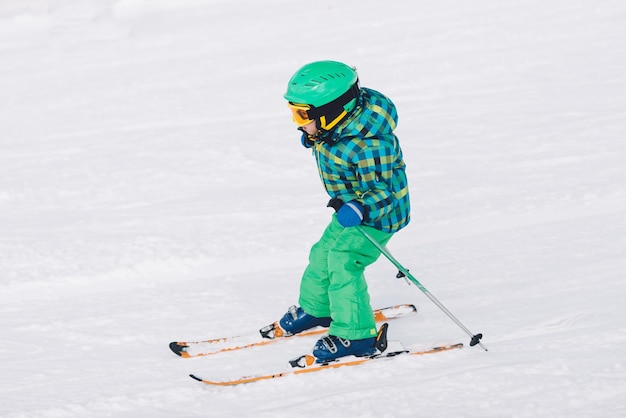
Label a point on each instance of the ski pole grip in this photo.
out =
(335, 203)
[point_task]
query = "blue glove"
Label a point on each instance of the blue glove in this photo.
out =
(351, 214)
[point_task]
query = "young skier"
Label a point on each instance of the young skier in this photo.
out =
(350, 132)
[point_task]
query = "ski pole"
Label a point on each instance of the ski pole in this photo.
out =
(405, 273)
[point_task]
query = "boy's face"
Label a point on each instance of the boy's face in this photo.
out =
(310, 128)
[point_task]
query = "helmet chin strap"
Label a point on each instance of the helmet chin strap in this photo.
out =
(320, 135)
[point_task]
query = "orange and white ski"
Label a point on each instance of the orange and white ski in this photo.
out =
(307, 364)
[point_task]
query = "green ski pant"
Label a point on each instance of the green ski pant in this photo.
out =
(333, 284)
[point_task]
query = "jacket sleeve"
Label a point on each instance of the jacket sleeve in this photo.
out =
(375, 166)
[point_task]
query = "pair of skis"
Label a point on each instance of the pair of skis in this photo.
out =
(305, 363)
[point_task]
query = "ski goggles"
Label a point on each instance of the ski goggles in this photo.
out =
(300, 114)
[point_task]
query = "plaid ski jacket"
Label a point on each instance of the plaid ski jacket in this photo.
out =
(362, 161)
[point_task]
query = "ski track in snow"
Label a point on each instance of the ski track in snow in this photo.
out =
(152, 188)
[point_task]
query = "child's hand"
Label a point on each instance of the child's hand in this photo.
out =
(350, 214)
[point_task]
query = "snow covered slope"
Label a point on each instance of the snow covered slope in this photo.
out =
(153, 188)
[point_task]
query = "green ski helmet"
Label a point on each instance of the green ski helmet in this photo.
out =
(324, 91)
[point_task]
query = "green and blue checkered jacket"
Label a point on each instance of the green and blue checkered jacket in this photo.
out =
(362, 161)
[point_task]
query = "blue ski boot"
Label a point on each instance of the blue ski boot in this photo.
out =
(293, 322)
(331, 348)
(296, 320)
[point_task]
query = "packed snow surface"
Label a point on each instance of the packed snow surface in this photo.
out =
(153, 188)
